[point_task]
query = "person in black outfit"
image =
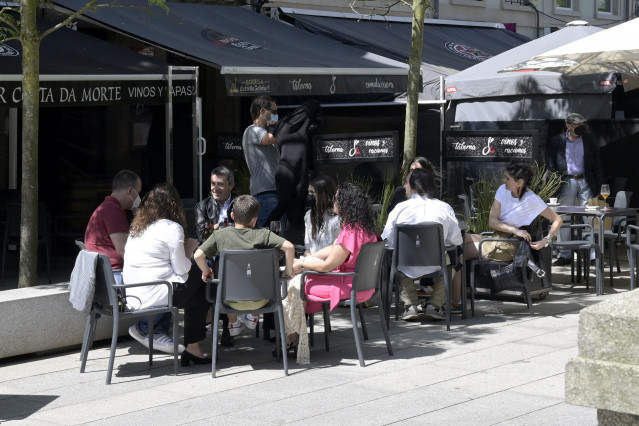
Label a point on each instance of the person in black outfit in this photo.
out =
(293, 134)
(575, 155)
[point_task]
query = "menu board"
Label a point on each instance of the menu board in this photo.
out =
(229, 145)
(489, 145)
(356, 146)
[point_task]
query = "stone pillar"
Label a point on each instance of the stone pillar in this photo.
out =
(605, 374)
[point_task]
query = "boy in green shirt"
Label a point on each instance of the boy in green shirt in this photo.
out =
(243, 236)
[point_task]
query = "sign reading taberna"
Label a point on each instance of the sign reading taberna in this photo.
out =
(356, 147)
(489, 145)
(229, 145)
(98, 93)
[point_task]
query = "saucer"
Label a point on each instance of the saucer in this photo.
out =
(554, 204)
(592, 207)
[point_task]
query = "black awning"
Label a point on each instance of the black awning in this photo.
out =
(448, 48)
(256, 54)
(80, 70)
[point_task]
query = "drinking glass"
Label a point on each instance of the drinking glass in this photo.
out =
(275, 226)
(605, 192)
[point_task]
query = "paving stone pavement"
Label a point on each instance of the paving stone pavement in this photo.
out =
(501, 367)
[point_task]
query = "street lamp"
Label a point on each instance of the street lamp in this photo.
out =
(529, 3)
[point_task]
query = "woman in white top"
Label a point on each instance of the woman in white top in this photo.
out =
(515, 207)
(322, 224)
(157, 250)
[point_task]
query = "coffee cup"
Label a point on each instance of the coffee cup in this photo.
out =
(553, 200)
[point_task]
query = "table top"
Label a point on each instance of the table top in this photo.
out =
(581, 210)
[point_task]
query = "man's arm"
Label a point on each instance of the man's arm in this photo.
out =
(119, 241)
(201, 221)
(268, 139)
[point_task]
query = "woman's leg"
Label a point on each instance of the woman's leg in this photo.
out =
(192, 299)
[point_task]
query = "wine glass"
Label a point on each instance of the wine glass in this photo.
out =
(605, 192)
(275, 226)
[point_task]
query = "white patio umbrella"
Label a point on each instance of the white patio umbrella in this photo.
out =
(614, 49)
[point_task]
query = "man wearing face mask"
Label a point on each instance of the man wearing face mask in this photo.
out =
(107, 232)
(262, 156)
(575, 155)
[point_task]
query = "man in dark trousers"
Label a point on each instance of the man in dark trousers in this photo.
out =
(575, 155)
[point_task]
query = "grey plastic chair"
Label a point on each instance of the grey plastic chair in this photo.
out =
(367, 276)
(248, 275)
(583, 244)
(420, 252)
(80, 244)
(105, 302)
(617, 235)
(632, 245)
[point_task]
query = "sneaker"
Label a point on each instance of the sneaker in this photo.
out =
(164, 343)
(235, 328)
(410, 314)
(436, 313)
(249, 320)
(137, 335)
(425, 291)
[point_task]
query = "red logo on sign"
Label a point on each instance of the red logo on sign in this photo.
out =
(451, 90)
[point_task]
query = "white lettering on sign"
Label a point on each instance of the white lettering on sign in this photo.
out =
(141, 92)
(298, 85)
(515, 150)
(67, 95)
(331, 148)
(102, 94)
(379, 84)
(2, 90)
(232, 147)
(16, 96)
(373, 142)
(461, 146)
(509, 142)
(378, 151)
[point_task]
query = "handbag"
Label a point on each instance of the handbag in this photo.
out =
(511, 275)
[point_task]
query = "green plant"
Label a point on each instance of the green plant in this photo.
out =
(544, 183)
(386, 197)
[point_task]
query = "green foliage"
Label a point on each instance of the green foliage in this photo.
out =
(544, 183)
(387, 196)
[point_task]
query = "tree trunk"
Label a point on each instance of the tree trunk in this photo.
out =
(30, 39)
(414, 86)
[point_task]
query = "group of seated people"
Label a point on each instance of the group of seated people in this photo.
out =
(340, 221)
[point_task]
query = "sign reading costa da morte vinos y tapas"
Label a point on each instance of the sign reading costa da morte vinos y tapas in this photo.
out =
(356, 146)
(495, 145)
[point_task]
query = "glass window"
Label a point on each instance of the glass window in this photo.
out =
(604, 6)
(567, 4)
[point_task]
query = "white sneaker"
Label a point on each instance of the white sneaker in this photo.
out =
(161, 342)
(249, 320)
(133, 332)
(235, 328)
(410, 314)
(164, 343)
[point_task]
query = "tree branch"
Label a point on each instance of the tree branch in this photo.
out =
(10, 22)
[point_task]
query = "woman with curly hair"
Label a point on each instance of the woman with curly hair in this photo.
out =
(321, 223)
(358, 228)
(158, 250)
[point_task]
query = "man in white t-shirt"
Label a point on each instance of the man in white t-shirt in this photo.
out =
(420, 208)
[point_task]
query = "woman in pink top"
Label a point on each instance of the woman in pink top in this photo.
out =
(358, 228)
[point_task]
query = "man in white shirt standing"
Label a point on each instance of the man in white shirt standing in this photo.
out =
(419, 208)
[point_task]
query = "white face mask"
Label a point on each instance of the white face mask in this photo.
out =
(274, 118)
(136, 202)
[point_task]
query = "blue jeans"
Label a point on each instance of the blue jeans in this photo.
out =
(268, 201)
(161, 323)
(574, 192)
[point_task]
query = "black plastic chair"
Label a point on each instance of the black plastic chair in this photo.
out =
(11, 233)
(105, 302)
(420, 252)
(249, 275)
(367, 276)
(582, 242)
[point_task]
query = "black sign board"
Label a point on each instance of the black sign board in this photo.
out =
(490, 145)
(377, 146)
(229, 145)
